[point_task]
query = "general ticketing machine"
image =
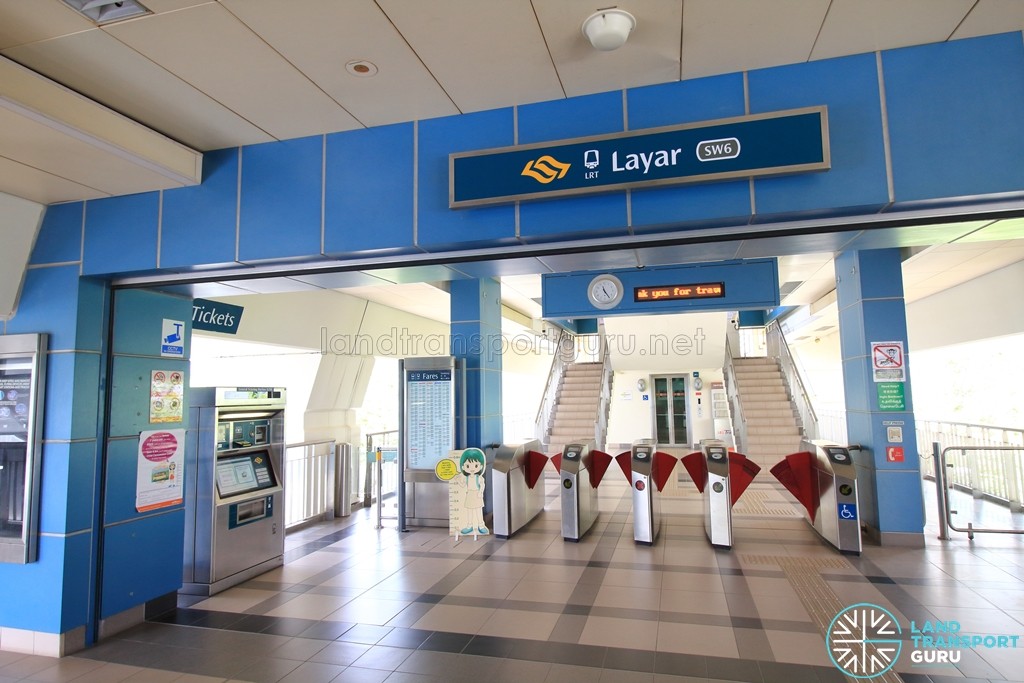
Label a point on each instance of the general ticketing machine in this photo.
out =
(823, 478)
(721, 477)
(234, 493)
(516, 497)
(649, 470)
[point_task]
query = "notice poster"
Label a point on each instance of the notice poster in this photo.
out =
(161, 475)
(167, 396)
(15, 392)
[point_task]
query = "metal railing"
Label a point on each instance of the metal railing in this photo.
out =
(564, 346)
(739, 422)
(604, 403)
(778, 348)
(969, 471)
(381, 471)
(309, 481)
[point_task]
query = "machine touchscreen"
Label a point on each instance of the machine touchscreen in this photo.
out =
(244, 473)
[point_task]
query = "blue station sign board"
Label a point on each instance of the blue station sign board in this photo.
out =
(776, 143)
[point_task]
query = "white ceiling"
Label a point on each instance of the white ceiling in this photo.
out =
(216, 74)
(203, 74)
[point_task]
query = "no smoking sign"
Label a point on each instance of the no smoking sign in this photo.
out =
(888, 362)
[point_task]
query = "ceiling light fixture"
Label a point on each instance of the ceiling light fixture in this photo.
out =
(361, 67)
(608, 29)
(106, 11)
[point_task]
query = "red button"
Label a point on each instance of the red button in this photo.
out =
(640, 486)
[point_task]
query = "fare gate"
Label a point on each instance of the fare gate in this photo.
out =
(823, 478)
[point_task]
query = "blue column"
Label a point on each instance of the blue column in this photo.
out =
(46, 604)
(869, 288)
(476, 340)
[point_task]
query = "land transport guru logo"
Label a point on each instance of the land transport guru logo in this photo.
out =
(865, 641)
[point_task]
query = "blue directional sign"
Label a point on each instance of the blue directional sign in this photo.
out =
(793, 141)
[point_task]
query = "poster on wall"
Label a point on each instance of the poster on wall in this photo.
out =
(161, 474)
(166, 396)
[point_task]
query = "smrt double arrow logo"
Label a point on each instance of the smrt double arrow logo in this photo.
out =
(545, 169)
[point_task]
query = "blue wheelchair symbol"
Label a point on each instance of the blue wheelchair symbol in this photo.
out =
(847, 511)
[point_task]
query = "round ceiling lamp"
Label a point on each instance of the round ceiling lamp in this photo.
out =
(608, 29)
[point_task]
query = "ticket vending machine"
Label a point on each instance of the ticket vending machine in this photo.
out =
(234, 492)
(823, 479)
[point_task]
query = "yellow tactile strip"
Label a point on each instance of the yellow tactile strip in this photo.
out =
(764, 503)
(817, 597)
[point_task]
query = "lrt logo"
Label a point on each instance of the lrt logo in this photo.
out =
(545, 169)
(863, 640)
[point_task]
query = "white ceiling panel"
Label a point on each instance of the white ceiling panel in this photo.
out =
(158, 6)
(856, 26)
(992, 16)
(321, 36)
(484, 54)
(39, 146)
(723, 36)
(40, 186)
(115, 75)
(651, 55)
(26, 22)
(215, 52)
(1007, 229)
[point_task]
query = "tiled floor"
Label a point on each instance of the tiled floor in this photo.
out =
(353, 604)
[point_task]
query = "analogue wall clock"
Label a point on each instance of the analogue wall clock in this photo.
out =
(605, 291)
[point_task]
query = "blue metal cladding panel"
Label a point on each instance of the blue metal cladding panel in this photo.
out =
(121, 234)
(439, 227)
(282, 187)
(72, 396)
(142, 560)
(700, 99)
(60, 235)
(68, 470)
(369, 190)
(955, 117)
(38, 596)
(138, 321)
(897, 511)
(570, 118)
(49, 303)
(849, 87)
(199, 223)
(93, 295)
(748, 284)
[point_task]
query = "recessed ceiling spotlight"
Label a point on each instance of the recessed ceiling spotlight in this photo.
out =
(361, 67)
(608, 29)
(106, 11)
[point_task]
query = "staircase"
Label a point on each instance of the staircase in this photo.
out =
(577, 401)
(773, 431)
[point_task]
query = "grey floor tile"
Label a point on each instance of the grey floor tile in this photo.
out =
(268, 670)
(340, 653)
(313, 672)
(354, 674)
(383, 657)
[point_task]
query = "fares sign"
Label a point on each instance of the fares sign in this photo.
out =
(794, 141)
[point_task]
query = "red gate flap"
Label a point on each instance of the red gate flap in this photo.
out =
(599, 462)
(625, 461)
(662, 468)
(535, 463)
(741, 472)
(697, 468)
(796, 473)
(556, 460)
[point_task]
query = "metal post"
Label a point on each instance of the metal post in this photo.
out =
(939, 459)
(380, 497)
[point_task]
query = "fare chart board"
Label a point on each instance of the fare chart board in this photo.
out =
(430, 417)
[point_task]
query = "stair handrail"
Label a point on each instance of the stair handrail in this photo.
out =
(778, 348)
(605, 400)
(739, 421)
(549, 400)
